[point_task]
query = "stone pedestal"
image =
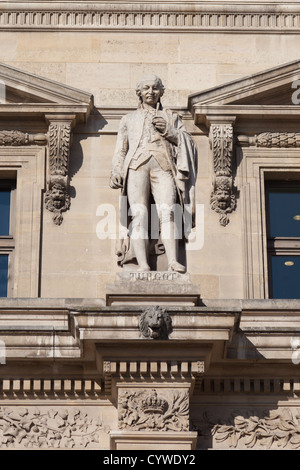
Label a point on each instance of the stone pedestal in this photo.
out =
(153, 287)
(151, 392)
(156, 441)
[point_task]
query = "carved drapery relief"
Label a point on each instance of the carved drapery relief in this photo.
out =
(271, 140)
(150, 410)
(223, 197)
(62, 428)
(57, 198)
(275, 429)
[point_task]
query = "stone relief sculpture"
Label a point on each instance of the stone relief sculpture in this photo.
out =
(155, 165)
(274, 429)
(57, 198)
(223, 196)
(155, 323)
(54, 428)
(146, 410)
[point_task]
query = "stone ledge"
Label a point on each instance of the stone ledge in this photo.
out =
(153, 440)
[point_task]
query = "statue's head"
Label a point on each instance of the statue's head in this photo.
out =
(150, 89)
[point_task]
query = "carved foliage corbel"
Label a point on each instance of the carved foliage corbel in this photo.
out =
(223, 196)
(57, 198)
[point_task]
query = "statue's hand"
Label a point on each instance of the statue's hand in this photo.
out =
(116, 181)
(160, 124)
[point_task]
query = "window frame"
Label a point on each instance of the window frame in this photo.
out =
(279, 246)
(27, 165)
(7, 242)
(255, 165)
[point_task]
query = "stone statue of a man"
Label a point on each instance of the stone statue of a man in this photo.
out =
(155, 160)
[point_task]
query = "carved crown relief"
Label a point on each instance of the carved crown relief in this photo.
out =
(150, 411)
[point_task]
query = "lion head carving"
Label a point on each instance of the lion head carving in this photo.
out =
(155, 323)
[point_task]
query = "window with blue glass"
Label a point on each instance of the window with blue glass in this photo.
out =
(283, 221)
(7, 188)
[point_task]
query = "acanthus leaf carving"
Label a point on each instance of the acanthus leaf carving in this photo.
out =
(55, 428)
(149, 411)
(274, 429)
(59, 147)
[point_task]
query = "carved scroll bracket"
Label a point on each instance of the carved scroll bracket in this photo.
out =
(223, 196)
(57, 198)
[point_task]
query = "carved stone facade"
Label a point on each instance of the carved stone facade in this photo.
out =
(12, 138)
(95, 358)
(155, 323)
(223, 197)
(54, 428)
(149, 411)
(105, 16)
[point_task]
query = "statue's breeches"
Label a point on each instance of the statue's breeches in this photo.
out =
(150, 178)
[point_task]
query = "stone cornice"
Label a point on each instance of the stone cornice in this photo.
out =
(267, 17)
(55, 329)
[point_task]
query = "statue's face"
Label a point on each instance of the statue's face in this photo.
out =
(150, 92)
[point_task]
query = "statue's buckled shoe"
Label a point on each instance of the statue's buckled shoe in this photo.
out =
(175, 266)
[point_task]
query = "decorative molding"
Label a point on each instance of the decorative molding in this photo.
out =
(271, 140)
(57, 198)
(162, 369)
(18, 138)
(153, 411)
(155, 323)
(248, 385)
(223, 196)
(49, 388)
(274, 429)
(146, 17)
(57, 428)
